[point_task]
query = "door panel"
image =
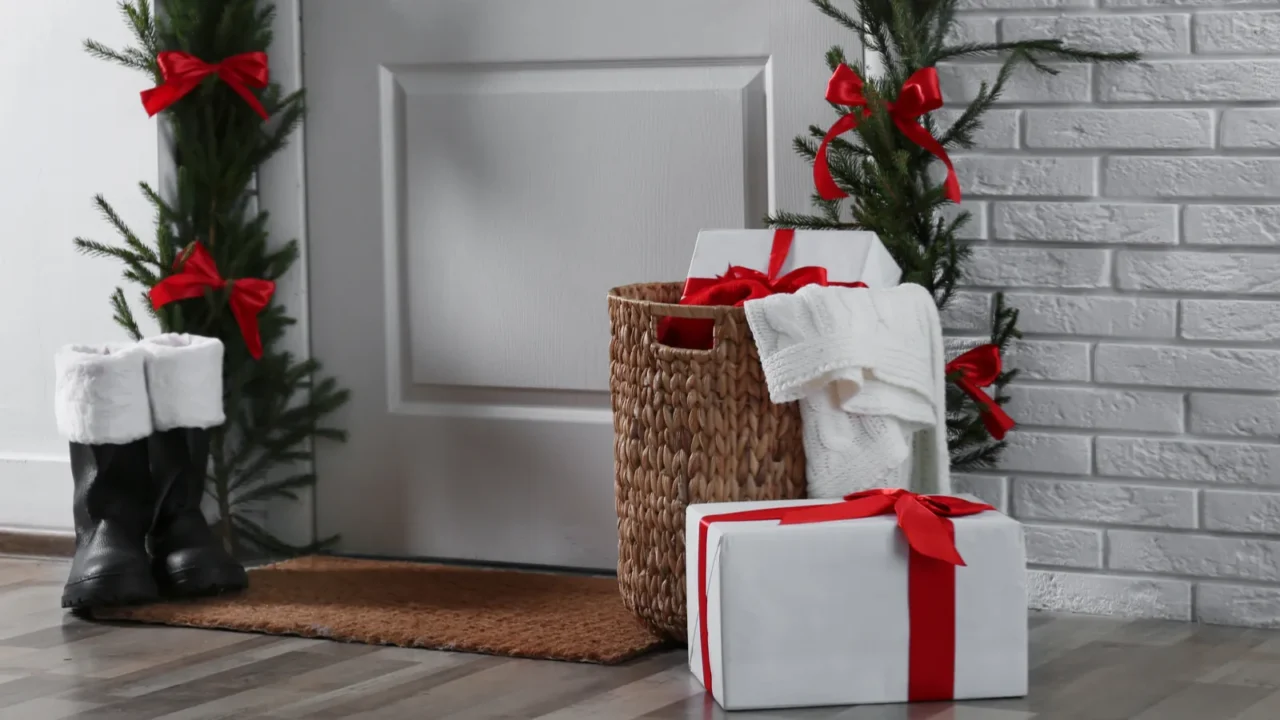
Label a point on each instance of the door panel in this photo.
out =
(479, 173)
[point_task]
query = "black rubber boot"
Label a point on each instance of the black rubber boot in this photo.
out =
(189, 560)
(184, 384)
(113, 502)
(101, 407)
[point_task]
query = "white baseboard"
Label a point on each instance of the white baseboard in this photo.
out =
(35, 493)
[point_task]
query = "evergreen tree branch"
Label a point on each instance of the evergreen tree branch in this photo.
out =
(826, 7)
(280, 488)
(800, 221)
(124, 316)
(1032, 51)
(140, 249)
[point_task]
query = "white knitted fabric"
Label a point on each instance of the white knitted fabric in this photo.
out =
(867, 368)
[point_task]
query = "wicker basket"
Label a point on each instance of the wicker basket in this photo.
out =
(689, 426)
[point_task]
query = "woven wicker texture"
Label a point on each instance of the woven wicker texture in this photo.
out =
(690, 426)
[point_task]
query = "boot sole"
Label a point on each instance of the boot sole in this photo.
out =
(204, 582)
(110, 591)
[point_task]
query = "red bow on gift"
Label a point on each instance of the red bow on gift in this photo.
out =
(183, 72)
(979, 368)
(735, 287)
(921, 517)
(925, 521)
(197, 272)
(920, 94)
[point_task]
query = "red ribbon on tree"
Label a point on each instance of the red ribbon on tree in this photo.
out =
(932, 558)
(735, 287)
(197, 271)
(183, 72)
(979, 368)
(920, 94)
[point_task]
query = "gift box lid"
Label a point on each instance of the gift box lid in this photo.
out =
(848, 255)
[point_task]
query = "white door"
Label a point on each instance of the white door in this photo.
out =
(479, 174)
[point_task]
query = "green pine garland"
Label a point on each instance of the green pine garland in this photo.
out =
(887, 176)
(276, 405)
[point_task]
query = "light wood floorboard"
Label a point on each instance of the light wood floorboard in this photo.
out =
(54, 666)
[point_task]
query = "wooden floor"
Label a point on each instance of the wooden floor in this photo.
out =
(54, 666)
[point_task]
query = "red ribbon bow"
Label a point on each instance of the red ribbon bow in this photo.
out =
(932, 558)
(920, 94)
(183, 72)
(197, 271)
(979, 368)
(735, 287)
(923, 518)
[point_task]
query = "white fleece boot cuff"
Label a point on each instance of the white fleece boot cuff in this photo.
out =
(184, 380)
(100, 394)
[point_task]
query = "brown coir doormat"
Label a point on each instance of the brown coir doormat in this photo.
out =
(499, 612)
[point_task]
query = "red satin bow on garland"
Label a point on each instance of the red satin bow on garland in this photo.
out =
(920, 94)
(979, 368)
(925, 521)
(197, 271)
(183, 72)
(735, 287)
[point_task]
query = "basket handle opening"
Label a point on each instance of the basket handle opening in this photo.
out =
(676, 330)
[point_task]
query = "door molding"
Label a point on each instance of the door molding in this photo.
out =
(282, 190)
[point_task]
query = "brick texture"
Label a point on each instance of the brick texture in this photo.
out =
(1064, 546)
(1257, 225)
(1131, 213)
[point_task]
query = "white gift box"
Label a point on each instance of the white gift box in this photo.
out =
(819, 614)
(848, 256)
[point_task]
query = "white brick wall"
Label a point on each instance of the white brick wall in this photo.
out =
(1133, 215)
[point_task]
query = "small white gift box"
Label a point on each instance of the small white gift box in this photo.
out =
(836, 611)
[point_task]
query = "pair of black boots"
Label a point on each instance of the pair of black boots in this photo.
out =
(138, 418)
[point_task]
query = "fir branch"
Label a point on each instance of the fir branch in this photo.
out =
(266, 542)
(982, 456)
(141, 276)
(1032, 51)
(140, 249)
(152, 311)
(280, 488)
(97, 249)
(800, 221)
(127, 58)
(826, 7)
(124, 316)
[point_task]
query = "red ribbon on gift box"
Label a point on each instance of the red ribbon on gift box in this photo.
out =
(920, 94)
(183, 72)
(925, 521)
(249, 296)
(735, 287)
(979, 368)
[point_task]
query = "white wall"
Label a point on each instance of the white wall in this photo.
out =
(70, 126)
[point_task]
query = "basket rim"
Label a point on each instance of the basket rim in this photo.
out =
(662, 309)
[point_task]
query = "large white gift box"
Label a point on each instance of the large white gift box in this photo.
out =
(847, 255)
(845, 612)
(737, 265)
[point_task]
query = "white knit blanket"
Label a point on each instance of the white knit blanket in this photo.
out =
(867, 368)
